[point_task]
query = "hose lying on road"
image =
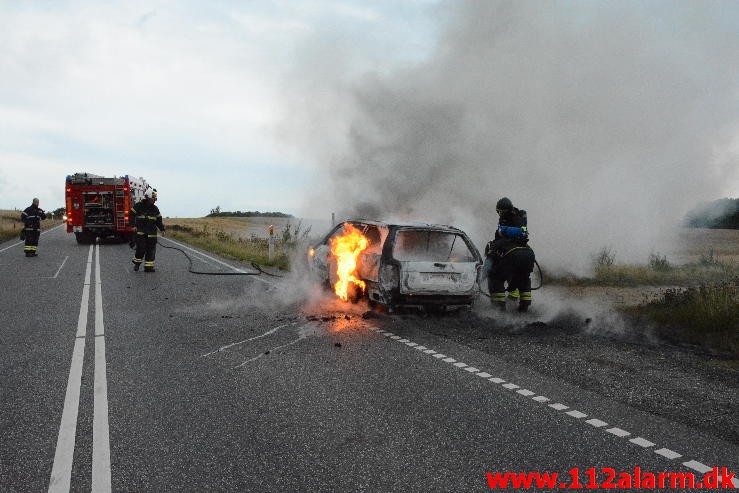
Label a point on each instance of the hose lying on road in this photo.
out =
(257, 267)
(541, 281)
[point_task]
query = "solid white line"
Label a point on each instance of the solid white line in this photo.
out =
(60, 267)
(21, 242)
(99, 330)
(61, 471)
(100, 429)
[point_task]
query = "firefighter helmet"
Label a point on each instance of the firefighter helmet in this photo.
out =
(504, 204)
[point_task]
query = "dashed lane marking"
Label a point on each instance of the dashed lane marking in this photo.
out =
(642, 442)
(618, 432)
(670, 454)
(558, 406)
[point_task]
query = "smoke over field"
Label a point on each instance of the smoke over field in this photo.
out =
(607, 121)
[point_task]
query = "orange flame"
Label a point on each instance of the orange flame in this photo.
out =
(345, 249)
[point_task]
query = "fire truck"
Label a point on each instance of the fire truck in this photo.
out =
(99, 206)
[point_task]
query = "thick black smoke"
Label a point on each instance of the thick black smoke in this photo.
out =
(607, 121)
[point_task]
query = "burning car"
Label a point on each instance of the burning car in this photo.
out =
(398, 264)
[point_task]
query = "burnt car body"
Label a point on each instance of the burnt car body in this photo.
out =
(408, 264)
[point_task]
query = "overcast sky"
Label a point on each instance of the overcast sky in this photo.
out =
(188, 94)
(618, 115)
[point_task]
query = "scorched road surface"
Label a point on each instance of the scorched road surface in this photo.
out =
(169, 381)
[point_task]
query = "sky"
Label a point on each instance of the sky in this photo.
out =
(606, 120)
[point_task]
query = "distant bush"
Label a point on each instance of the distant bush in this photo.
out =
(604, 258)
(659, 262)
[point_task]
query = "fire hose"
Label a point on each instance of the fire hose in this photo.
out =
(541, 281)
(257, 267)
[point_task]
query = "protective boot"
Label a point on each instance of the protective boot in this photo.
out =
(498, 300)
(523, 305)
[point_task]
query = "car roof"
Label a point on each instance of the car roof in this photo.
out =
(405, 224)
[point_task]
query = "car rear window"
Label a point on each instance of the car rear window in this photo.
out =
(431, 246)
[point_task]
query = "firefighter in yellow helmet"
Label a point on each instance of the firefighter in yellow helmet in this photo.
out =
(147, 219)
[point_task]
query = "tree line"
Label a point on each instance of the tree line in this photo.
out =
(217, 212)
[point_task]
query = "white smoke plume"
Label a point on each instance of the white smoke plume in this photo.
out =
(607, 121)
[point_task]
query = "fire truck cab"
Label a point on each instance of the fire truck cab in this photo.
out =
(98, 206)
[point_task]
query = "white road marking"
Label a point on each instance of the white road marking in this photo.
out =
(665, 452)
(698, 466)
(61, 471)
(642, 442)
(100, 429)
(60, 267)
(618, 432)
(228, 346)
(300, 338)
(22, 242)
(597, 423)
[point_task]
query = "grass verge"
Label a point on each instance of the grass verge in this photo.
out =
(232, 246)
(705, 316)
(11, 225)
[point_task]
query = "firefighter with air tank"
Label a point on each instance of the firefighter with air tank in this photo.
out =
(146, 217)
(510, 258)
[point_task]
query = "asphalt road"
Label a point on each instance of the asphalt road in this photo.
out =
(114, 380)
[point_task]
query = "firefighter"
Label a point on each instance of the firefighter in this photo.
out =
(510, 258)
(147, 219)
(31, 217)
